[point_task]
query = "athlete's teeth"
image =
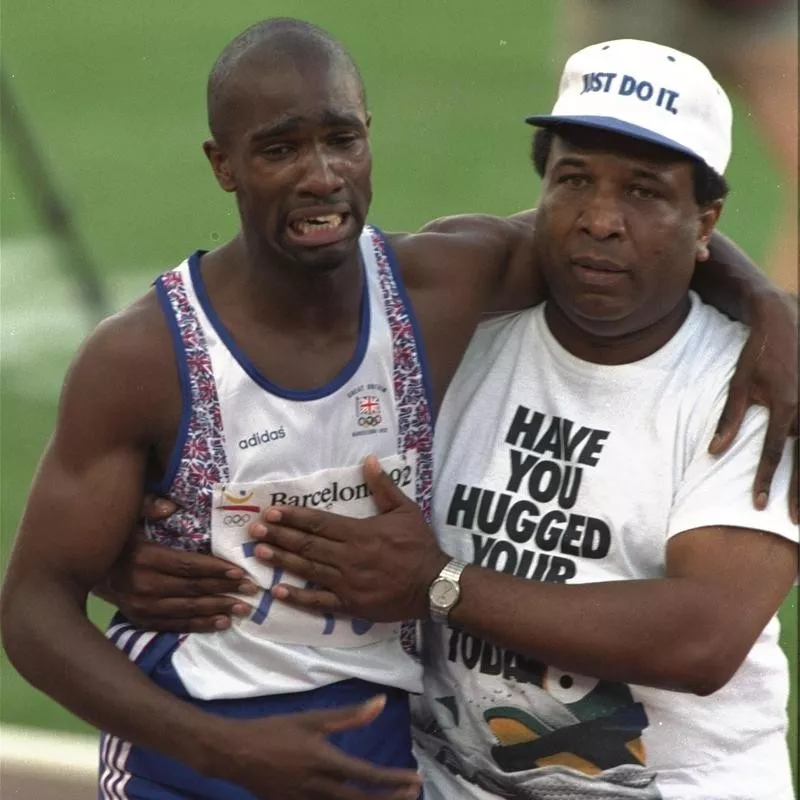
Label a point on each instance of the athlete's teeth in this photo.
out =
(325, 222)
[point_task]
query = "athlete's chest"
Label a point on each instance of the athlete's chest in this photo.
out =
(279, 436)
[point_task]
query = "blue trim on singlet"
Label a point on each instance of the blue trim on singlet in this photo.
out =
(163, 485)
(403, 294)
(329, 388)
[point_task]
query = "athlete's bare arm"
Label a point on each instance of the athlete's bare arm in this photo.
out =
(84, 499)
(121, 402)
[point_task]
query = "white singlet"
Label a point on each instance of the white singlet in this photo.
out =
(246, 444)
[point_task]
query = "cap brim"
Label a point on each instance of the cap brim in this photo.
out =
(611, 124)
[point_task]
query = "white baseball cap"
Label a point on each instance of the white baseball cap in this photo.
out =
(647, 91)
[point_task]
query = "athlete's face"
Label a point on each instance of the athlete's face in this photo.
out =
(618, 231)
(297, 155)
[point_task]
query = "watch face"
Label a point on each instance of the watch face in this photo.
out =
(444, 593)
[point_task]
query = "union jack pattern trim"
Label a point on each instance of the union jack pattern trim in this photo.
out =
(414, 418)
(203, 462)
(415, 422)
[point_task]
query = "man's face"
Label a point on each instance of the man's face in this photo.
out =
(618, 230)
(297, 155)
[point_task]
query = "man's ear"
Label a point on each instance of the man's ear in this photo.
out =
(709, 216)
(220, 164)
(369, 120)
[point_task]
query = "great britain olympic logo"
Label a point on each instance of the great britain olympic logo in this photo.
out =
(368, 410)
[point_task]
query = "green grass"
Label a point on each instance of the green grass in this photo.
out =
(116, 94)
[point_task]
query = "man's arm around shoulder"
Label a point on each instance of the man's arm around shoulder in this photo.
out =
(486, 258)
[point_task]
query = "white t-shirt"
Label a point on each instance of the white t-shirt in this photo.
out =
(555, 469)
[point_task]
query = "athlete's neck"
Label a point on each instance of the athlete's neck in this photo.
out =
(287, 296)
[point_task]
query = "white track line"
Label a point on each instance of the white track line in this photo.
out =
(52, 755)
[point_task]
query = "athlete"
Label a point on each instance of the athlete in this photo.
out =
(299, 350)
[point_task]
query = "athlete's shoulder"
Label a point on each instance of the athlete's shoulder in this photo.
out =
(122, 380)
(130, 350)
(139, 332)
(134, 332)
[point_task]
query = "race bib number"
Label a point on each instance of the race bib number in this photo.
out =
(340, 491)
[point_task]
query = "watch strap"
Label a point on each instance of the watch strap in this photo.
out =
(451, 573)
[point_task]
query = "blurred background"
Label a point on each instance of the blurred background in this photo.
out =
(103, 102)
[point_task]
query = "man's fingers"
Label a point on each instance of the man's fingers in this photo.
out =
(156, 584)
(350, 717)
(771, 454)
(155, 508)
(170, 561)
(347, 768)
(183, 608)
(312, 599)
(308, 547)
(218, 622)
(184, 614)
(731, 417)
(321, 524)
(385, 492)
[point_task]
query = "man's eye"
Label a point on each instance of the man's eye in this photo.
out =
(344, 140)
(276, 152)
(644, 193)
(574, 181)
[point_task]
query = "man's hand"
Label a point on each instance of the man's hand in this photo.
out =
(766, 374)
(377, 568)
(290, 757)
(159, 588)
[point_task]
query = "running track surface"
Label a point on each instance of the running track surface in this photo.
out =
(19, 785)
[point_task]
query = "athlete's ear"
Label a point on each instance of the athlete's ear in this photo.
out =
(220, 164)
(369, 119)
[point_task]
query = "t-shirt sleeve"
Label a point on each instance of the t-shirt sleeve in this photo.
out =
(718, 490)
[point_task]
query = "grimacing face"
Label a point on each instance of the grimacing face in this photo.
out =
(297, 156)
(618, 230)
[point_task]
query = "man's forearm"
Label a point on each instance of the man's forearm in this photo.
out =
(647, 632)
(731, 281)
(59, 651)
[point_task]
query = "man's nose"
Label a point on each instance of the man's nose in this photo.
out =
(321, 177)
(603, 217)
